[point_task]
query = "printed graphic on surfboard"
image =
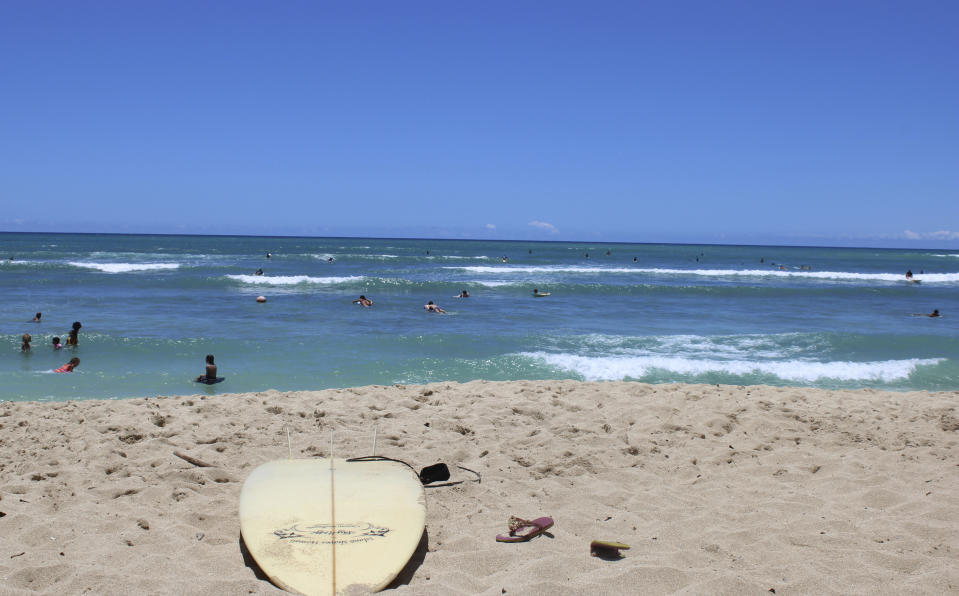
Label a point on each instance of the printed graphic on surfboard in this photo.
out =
(323, 533)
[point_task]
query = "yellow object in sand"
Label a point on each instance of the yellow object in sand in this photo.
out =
(597, 547)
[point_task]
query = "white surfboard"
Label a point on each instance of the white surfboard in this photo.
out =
(313, 531)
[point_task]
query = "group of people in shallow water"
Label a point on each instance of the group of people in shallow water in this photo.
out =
(73, 339)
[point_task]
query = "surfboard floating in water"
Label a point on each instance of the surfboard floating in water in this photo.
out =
(318, 527)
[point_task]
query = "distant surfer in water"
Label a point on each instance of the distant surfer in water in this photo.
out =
(36, 317)
(430, 307)
(934, 313)
(463, 294)
(537, 293)
(210, 376)
(363, 301)
(908, 273)
(258, 272)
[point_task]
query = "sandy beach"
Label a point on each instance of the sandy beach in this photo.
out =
(718, 489)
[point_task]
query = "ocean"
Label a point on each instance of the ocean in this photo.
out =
(152, 306)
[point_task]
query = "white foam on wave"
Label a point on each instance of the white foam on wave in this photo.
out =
(125, 267)
(775, 273)
(614, 368)
(292, 280)
(492, 283)
(541, 269)
(730, 347)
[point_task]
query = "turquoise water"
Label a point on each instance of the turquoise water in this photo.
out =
(153, 306)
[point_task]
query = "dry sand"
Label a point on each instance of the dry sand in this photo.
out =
(719, 489)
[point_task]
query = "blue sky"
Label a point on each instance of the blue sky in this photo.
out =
(755, 122)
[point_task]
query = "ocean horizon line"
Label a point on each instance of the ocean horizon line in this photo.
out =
(495, 240)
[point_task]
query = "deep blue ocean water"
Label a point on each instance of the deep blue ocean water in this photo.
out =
(153, 306)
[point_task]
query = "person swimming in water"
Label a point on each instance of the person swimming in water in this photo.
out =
(258, 272)
(69, 366)
(36, 317)
(210, 376)
(363, 301)
(934, 313)
(430, 307)
(464, 294)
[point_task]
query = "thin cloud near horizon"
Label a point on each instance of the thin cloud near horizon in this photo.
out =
(937, 235)
(544, 226)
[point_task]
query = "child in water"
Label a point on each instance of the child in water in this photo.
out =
(56, 344)
(74, 335)
(69, 366)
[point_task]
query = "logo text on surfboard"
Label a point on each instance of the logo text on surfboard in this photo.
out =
(323, 533)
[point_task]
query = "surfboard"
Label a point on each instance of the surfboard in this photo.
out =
(315, 531)
(540, 294)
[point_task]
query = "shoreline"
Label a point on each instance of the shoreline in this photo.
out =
(716, 488)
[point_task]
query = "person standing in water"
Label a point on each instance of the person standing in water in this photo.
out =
(74, 336)
(25, 342)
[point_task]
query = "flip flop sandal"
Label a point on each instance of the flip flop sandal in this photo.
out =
(532, 529)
